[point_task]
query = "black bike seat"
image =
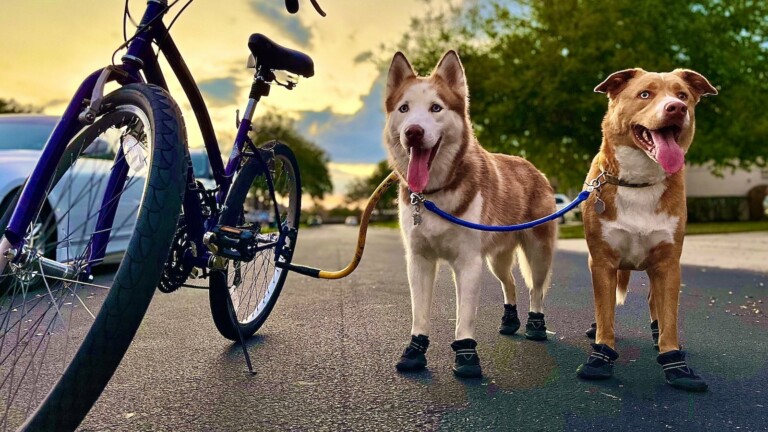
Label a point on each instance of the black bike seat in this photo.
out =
(273, 56)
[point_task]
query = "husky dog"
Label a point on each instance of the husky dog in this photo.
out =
(429, 139)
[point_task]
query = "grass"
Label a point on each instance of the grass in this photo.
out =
(577, 231)
(386, 224)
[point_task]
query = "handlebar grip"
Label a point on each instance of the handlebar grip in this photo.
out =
(292, 6)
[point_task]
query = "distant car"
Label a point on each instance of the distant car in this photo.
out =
(22, 138)
(765, 205)
(314, 220)
(201, 165)
(351, 220)
(561, 201)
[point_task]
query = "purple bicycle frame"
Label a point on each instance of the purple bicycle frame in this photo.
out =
(140, 57)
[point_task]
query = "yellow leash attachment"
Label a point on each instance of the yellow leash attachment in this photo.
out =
(346, 271)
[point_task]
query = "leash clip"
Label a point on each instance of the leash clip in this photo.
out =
(596, 183)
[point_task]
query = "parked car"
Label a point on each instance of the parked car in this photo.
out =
(202, 168)
(314, 220)
(562, 200)
(22, 138)
(351, 220)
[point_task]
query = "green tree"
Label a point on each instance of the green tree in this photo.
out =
(532, 64)
(312, 160)
(362, 188)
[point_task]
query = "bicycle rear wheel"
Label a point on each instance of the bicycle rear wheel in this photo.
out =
(253, 286)
(63, 327)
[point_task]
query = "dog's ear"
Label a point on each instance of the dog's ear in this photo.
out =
(696, 82)
(617, 81)
(399, 71)
(449, 68)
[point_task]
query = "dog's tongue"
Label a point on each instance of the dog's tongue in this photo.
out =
(669, 155)
(418, 169)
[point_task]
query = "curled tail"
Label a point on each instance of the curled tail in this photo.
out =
(621, 286)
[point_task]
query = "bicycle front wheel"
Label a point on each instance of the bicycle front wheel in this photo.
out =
(66, 319)
(253, 286)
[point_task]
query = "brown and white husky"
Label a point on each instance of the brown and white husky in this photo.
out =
(429, 139)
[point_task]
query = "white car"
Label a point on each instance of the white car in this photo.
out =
(561, 201)
(75, 201)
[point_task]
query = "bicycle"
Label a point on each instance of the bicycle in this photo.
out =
(64, 325)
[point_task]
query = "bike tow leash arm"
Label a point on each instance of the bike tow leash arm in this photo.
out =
(416, 201)
(346, 271)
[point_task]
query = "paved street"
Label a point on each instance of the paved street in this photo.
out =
(325, 358)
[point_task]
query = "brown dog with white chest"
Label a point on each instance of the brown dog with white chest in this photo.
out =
(635, 220)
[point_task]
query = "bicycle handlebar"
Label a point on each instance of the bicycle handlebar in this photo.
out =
(292, 6)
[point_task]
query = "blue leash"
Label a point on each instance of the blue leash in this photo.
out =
(429, 205)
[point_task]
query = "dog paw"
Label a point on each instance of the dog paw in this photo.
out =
(655, 334)
(467, 363)
(678, 374)
(510, 323)
(536, 328)
(591, 331)
(599, 364)
(413, 358)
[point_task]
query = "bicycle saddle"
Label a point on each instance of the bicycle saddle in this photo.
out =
(273, 56)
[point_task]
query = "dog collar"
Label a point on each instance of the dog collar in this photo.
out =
(614, 180)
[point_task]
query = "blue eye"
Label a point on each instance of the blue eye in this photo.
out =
(435, 108)
(403, 108)
(645, 95)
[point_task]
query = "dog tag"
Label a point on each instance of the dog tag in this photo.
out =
(416, 219)
(599, 206)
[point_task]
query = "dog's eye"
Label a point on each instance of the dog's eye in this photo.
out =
(403, 108)
(682, 96)
(645, 95)
(435, 108)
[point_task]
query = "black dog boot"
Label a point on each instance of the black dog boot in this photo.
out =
(536, 328)
(599, 365)
(413, 358)
(591, 331)
(655, 333)
(678, 374)
(467, 361)
(510, 323)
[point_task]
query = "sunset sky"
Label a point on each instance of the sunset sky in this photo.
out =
(48, 47)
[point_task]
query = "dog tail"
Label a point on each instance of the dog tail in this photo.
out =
(621, 286)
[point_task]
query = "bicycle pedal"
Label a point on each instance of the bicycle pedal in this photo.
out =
(232, 243)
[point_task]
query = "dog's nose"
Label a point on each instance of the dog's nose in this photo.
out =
(675, 108)
(414, 133)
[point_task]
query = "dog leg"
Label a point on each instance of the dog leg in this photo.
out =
(665, 297)
(604, 279)
(538, 250)
(501, 265)
(599, 364)
(468, 273)
(421, 278)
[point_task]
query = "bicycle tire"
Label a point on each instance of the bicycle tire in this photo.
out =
(73, 393)
(253, 315)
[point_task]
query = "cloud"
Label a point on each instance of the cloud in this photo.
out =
(275, 12)
(349, 138)
(363, 57)
(220, 91)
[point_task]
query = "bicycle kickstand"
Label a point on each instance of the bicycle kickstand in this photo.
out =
(233, 318)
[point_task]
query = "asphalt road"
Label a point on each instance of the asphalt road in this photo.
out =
(325, 358)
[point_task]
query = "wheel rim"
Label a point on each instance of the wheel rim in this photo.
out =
(253, 284)
(44, 317)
